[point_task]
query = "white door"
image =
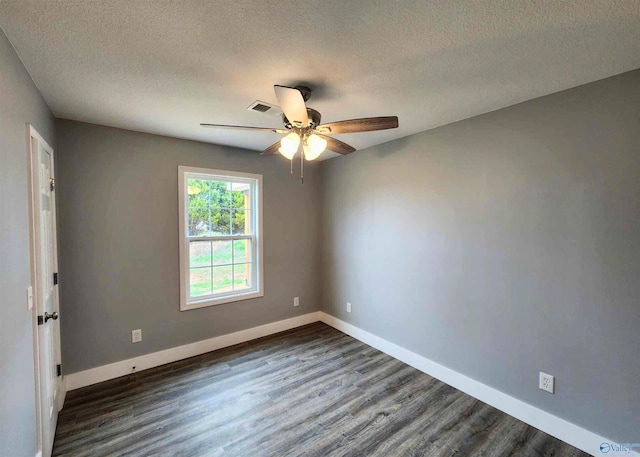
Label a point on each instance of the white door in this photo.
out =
(44, 261)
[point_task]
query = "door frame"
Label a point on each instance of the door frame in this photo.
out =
(34, 227)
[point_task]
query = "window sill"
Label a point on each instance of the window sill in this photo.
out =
(219, 301)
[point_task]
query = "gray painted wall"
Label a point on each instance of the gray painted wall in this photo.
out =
(504, 245)
(20, 103)
(118, 218)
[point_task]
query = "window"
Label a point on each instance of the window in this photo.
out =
(220, 236)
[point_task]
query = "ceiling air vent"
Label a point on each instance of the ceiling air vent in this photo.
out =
(262, 107)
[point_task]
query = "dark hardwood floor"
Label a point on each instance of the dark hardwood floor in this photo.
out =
(311, 391)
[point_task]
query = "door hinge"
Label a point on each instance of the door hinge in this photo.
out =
(52, 184)
(55, 279)
(59, 369)
(40, 320)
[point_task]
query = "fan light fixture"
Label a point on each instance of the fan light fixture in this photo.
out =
(289, 145)
(313, 147)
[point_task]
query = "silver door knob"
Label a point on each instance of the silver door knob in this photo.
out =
(53, 316)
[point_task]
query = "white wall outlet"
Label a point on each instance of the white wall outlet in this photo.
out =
(547, 382)
(348, 307)
(29, 297)
(136, 336)
(296, 301)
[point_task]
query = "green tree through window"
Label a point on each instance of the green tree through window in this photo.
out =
(215, 208)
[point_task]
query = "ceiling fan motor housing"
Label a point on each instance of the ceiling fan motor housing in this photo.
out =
(305, 91)
(314, 119)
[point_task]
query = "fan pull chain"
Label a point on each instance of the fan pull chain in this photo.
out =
(301, 167)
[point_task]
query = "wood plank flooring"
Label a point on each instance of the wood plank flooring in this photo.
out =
(312, 391)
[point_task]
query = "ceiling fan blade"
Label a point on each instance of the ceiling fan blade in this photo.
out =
(366, 124)
(271, 149)
(292, 105)
(243, 127)
(337, 145)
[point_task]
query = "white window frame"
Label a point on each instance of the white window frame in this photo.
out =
(257, 290)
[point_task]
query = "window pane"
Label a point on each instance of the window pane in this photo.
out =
(220, 194)
(200, 254)
(198, 222)
(222, 252)
(220, 221)
(241, 251)
(242, 276)
(240, 195)
(241, 222)
(200, 281)
(198, 192)
(222, 279)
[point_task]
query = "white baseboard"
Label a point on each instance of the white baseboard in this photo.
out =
(566, 431)
(144, 362)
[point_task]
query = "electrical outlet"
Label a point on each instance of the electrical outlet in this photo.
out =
(136, 336)
(296, 301)
(348, 307)
(547, 382)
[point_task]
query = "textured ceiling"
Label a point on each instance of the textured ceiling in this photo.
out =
(165, 66)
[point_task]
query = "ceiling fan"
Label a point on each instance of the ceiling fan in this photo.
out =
(303, 130)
